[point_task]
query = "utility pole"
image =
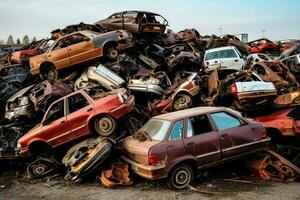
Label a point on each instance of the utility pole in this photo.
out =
(263, 32)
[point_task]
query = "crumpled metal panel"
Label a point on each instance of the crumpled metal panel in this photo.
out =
(116, 175)
(272, 166)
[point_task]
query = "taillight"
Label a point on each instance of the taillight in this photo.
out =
(152, 160)
(233, 88)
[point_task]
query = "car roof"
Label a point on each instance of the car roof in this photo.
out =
(173, 116)
(219, 49)
(137, 11)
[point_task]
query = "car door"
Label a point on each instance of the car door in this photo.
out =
(211, 60)
(175, 146)
(79, 110)
(59, 54)
(201, 140)
(55, 128)
(130, 21)
(229, 59)
(235, 135)
(81, 49)
(115, 22)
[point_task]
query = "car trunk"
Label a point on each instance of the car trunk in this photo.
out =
(138, 151)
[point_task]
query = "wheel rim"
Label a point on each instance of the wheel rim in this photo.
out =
(105, 124)
(182, 178)
(113, 53)
(182, 101)
(39, 169)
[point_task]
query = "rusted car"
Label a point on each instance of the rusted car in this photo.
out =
(45, 93)
(33, 49)
(74, 116)
(176, 144)
(284, 128)
(276, 72)
(18, 106)
(135, 21)
(80, 47)
(179, 96)
(243, 90)
(264, 45)
(9, 135)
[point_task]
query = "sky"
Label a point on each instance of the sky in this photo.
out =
(279, 18)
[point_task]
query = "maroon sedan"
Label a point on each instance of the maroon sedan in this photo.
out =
(176, 144)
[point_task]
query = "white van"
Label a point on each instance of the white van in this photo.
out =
(223, 57)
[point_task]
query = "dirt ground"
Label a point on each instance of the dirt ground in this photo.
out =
(231, 181)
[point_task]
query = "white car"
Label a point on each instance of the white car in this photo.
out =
(257, 57)
(224, 58)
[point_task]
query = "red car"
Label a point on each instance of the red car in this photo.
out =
(74, 116)
(33, 49)
(264, 45)
(282, 123)
(177, 144)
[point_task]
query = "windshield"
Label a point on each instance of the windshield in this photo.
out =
(156, 129)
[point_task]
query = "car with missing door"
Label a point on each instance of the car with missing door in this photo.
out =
(76, 115)
(177, 144)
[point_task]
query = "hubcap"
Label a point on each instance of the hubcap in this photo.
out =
(182, 177)
(105, 124)
(39, 169)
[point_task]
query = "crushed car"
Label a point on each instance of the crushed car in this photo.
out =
(264, 45)
(175, 145)
(135, 21)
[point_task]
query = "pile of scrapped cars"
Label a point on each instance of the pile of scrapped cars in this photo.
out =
(126, 94)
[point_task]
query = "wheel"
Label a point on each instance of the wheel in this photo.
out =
(105, 125)
(182, 101)
(112, 52)
(41, 168)
(181, 176)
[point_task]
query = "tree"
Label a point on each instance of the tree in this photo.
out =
(25, 40)
(33, 39)
(18, 41)
(10, 40)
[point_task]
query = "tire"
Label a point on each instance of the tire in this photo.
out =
(105, 125)
(41, 168)
(182, 101)
(111, 52)
(181, 176)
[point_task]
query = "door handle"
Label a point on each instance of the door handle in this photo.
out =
(190, 143)
(89, 110)
(49, 55)
(62, 122)
(223, 135)
(236, 60)
(216, 61)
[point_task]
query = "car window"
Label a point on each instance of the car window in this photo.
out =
(229, 53)
(70, 40)
(56, 111)
(198, 125)
(156, 129)
(176, 132)
(212, 55)
(118, 15)
(225, 121)
(76, 102)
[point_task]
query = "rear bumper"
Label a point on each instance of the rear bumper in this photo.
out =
(147, 171)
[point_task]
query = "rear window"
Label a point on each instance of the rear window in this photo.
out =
(229, 53)
(212, 55)
(156, 129)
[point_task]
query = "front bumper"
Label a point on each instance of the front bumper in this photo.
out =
(147, 171)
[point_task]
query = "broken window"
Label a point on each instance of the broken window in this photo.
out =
(176, 132)
(198, 125)
(76, 102)
(224, 121)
